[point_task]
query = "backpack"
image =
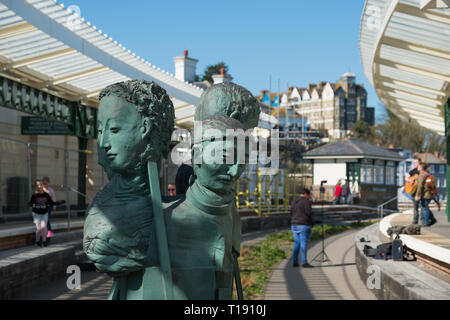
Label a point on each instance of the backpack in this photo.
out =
(384, 250)
(431, 184)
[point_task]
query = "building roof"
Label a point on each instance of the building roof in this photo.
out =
(430, 158)
(405, 52)
(49, 47)
(351, 148)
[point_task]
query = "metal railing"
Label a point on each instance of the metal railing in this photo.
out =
(380, 208)
(22, 160)
(268, 194)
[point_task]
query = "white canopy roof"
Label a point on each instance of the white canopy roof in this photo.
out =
(46, 46)
(405, 53)
(49, 47)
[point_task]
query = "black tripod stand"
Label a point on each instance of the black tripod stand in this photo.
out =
(322, 254)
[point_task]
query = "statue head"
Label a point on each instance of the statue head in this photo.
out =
(229, 99)
(230, 112)
(135, 123)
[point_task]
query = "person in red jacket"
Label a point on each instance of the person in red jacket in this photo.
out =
(337, 193)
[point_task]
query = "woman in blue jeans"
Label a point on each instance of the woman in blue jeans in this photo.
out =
(301, 226)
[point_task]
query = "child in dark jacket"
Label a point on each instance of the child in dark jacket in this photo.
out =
(40, 201)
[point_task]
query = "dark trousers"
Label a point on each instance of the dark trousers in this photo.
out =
(49, 226)
(416, 211)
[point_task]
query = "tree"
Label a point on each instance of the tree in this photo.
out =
(362, 130)
(212, 69)
(402, 134)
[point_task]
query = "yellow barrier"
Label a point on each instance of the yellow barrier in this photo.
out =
(266, 197)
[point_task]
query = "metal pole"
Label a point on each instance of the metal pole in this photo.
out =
(30, 183)
(66, 184)
(447, 137)
(1, 189)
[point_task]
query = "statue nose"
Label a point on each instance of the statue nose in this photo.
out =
(104, 142)
(233, 171)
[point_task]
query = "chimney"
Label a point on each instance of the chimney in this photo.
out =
(185, 67)
(220, 78)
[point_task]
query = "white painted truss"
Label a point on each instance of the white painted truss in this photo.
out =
(405, 53)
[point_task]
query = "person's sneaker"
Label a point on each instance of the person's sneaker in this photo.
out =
(49, 234)
(295, 265)
(44, 243)
(37, 244)
(307, 265)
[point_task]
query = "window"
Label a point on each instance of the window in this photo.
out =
(390, 173)
(408, 166)
(432, 168)
(442, 168)
(367, 171)
(378, 173)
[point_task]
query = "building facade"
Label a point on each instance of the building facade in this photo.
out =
(332, 108)
(370, 170)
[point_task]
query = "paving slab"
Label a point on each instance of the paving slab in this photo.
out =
(335, 279)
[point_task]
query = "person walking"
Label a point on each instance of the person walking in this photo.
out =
(301, 226)
(410, 179)
(345, 193)
(51, 193)
(337, 193)
(424, 196)
(40, 201)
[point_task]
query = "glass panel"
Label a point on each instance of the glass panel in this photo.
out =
(379, 174)
(390, 175)
(366, 174)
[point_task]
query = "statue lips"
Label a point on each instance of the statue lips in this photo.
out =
(224, 177)
(111, 156)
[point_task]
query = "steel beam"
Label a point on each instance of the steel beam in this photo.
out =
(16, 29)
(447, 136)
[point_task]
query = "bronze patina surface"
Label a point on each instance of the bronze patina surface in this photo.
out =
(202, 228)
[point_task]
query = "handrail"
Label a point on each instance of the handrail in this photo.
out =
(380, 208)
(76, 191)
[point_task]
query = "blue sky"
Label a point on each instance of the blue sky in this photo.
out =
(293, 42)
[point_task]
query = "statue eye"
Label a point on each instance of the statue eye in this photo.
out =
(114, 130)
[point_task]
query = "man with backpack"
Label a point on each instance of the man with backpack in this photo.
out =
(426, 189)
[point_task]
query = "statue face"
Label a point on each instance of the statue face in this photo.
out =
(121, 132)
(219, 177)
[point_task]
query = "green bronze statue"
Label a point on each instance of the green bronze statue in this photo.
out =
(202, 229)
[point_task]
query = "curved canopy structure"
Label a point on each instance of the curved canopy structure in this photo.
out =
(405, 53)
(48, 47)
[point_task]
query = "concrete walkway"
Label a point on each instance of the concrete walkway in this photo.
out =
(96, 285)
(336, 279)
